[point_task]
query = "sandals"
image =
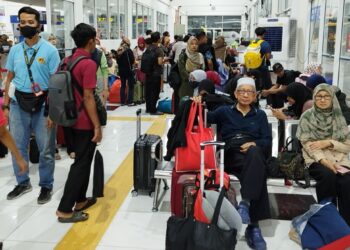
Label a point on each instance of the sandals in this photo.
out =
(90, 201)
(76, 217)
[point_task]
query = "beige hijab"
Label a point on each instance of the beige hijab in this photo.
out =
(194, 58)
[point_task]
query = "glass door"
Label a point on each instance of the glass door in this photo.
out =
(62, 23)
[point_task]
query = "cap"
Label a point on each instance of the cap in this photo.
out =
(245, 81)
(277, 67)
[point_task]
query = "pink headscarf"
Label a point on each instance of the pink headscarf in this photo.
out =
(214, 77)
(140, 42)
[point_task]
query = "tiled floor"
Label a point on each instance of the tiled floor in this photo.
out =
(26, 225)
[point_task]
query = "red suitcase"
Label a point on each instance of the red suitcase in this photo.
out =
(183, 187)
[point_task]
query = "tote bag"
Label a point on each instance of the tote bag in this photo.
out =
(187, 159)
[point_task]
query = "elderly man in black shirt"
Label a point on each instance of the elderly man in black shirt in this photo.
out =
(247, 135)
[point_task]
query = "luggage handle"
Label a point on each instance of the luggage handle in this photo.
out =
(205, 118)
(153, 151)
(138, 123)
(221, 146)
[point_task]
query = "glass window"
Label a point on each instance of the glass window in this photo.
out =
(329, 38)
(142, 19)
(162, 22)
(123, 15)
(314, 30)
(232, 23)
(344, 66)
(196, 22)
(62, 20)
(330, 27)
(89, 14)
(214, 21)
(114, 21)
(102, 21)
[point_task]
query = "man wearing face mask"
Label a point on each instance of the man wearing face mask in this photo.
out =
(30, 65)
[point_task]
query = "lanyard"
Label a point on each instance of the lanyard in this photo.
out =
(29, 63)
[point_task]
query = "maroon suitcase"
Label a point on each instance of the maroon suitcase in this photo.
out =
(183, 188)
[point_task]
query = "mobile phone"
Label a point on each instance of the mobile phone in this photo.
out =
(36, 89)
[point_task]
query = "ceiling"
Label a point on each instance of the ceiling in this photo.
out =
(40, 3)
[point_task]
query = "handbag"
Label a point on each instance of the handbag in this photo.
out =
(292, 164)
(29, 102)
(164, 105)
(187, 159)
(191, 234)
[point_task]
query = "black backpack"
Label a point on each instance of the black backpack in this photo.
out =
(174, 78)
(148, 61)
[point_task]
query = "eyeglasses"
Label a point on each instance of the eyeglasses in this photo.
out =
(325, 97)
(242, 92)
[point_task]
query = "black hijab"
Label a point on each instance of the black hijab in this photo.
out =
(301, 94)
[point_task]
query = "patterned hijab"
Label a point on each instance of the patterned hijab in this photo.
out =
(317, 124)
(313, 68)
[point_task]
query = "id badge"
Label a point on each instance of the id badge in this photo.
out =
(37, 90)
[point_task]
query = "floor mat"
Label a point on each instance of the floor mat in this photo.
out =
(288, 206)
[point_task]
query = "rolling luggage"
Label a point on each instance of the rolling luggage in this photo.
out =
(114, 93)
(148, 154)
(183, 189)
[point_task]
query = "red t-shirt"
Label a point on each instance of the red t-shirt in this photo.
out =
(85, 74)
(3, 120)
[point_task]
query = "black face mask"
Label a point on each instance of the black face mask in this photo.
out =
(28, 31)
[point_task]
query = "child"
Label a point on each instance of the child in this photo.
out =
(6, 138)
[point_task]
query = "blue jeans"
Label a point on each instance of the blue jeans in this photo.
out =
(22, 124)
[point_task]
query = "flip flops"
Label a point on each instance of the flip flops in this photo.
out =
(90, 201)
(77, 216)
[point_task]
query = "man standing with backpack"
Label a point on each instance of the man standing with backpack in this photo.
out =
(30, 64)
(264, 49)
(86, 131)
(151, 65)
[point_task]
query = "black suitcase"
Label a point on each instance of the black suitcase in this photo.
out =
(148, 154)
(34, 153)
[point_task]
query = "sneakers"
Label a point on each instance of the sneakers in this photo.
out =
(243, 210)
(18, 191)
(45, 195)
(254, 238)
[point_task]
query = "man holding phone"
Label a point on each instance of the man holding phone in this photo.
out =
(30, 65)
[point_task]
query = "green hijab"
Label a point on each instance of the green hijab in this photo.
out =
(317, 124)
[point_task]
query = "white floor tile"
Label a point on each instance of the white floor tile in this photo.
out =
(20, 245)
(12, 217)
(137, 230)
(42, 226)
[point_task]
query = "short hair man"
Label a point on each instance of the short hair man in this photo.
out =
(266, 53)
(30, 65)
(86, 131)
(276, 93)
(247, 137)
(207, 51)
(153, 80)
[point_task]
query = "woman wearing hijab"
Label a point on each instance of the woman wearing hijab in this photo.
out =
(300, 100)
(195, 78)
(220, 48)
(126, 60)
(189, 61)
(325, 138)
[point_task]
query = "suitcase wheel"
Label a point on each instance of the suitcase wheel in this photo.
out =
(134, 193)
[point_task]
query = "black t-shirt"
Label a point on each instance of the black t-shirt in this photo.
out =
(288, 77)
(158, 69)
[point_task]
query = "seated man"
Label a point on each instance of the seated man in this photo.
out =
(246, 133)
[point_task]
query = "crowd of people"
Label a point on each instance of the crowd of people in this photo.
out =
(205, 72)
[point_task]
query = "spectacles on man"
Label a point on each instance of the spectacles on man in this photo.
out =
(243, 92)
(325, 97)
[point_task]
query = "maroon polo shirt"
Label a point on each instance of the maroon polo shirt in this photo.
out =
(85, 74)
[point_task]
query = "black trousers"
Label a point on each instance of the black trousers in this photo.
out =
(79, 173)
(152, 92)
(330, 185)
(250, 168)
(68, 138)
